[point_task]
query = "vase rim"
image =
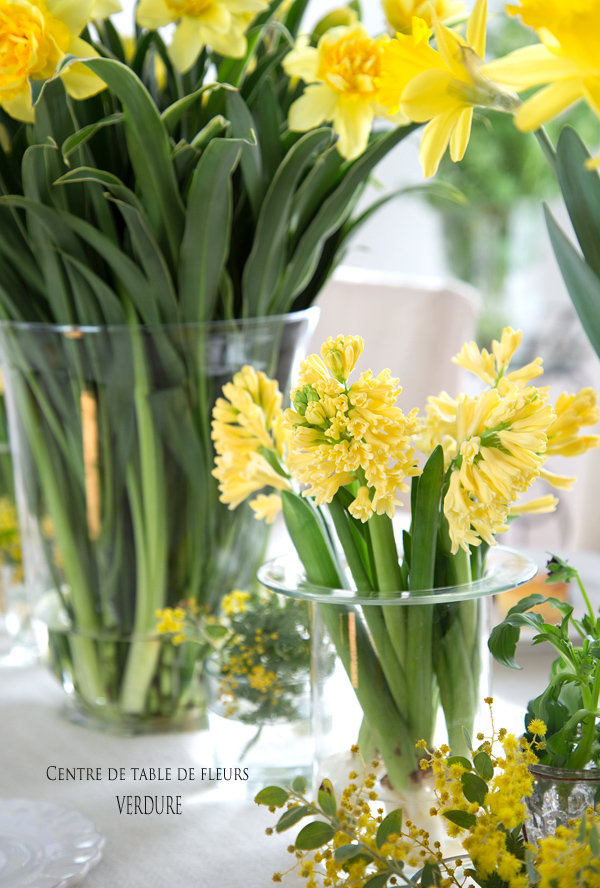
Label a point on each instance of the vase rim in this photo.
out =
(506, 569)
(566, 774)
(75, 330)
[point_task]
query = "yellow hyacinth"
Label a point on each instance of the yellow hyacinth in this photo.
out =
(496, 444)
(400, 13)
(440, 85)
(341, 433)
(250, 442)
(342, 73)
(220, 24)
(34, 37)
(567, 60)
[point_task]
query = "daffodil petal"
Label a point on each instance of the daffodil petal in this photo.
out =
(548, 102)
(460, 135)
(74, 13)
(103, 8)
(187, 44)
(153, 14)
(352, 121)
(302, 62)
(20, 107)
(239, 7)
(449, 45)
(217, 17)
(591, 88)
(530, 66)
(231, 43)
(314, 106)
(78, 80)
(427, 95)
(476, 27)
(436, 136)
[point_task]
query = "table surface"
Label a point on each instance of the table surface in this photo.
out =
(217, 840)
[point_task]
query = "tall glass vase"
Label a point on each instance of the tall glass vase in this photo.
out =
(110, 429)
(415, 662)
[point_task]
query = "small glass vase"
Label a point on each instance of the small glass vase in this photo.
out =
(262, 734)
(411, 660)
(110, 429)
(559, 795)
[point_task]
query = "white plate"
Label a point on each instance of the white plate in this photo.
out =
(43, 846)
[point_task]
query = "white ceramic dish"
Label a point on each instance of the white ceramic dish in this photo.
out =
(44, 846)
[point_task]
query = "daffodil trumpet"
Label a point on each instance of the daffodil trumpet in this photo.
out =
(349, 446)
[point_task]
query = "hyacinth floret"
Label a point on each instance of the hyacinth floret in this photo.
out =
(343, 433)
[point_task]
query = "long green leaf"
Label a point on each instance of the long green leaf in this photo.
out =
(78, 139)
(206, 239)
(581, 281)
(581, 191)
(267, 260)
(331, 216)
(309, 537)
(150, 152)
(425, 522)
(243, 126)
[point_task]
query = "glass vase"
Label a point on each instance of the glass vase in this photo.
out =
(265, 732)
(559, 795)
(412, 666)
(110, 430)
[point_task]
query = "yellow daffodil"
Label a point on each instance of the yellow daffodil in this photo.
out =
(400, 13)
(341, 433)
(567, 59)
(342, 72)
(220, 24)
(103, 8)
(34, 37)
(440, 85)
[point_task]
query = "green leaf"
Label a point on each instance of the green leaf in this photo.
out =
(461, 818)
(484, 765)
(460, 760)
(314, 835)
(309, 536)
(326, 798)
(502, 644)
(431, 876)
(206, 239)
(527, 603)
(81, 136)
(272, 796)
(475, 789)
(425, 522)
(293, 17)
(581, 191)
(581, 281)
(378, 881)
(299, 784)
(291, 817)
(243, 126)
(467, 738)
(173, 114)
(150, 153)
(594, 841)
(267, 259)
(332, 214)
(346, 852)
(390, 825)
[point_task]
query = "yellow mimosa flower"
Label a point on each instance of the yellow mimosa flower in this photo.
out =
(220, 24)
(342, 73)
(440, 85)
(400, 13)
(34, 37)
(567, 59)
